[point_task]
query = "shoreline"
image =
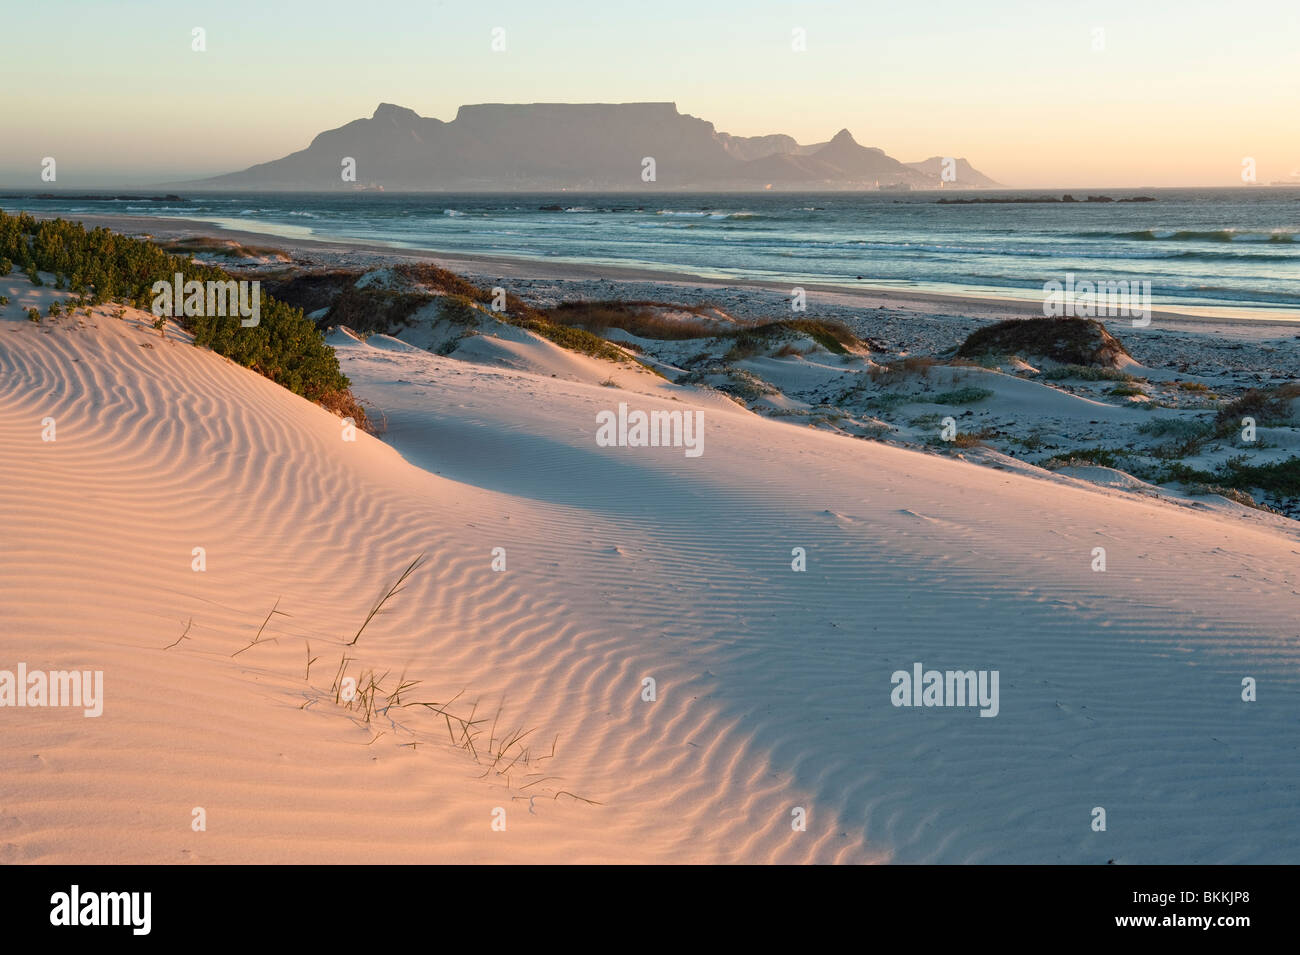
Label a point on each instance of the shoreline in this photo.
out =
(864, 297)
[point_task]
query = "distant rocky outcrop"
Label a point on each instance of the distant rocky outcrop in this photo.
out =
(592, 146)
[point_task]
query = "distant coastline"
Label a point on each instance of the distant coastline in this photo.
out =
(930, 300)
(1038, 200)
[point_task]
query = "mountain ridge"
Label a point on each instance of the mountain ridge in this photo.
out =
(577, 146)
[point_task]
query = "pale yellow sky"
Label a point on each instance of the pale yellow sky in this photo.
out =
(1166, 94)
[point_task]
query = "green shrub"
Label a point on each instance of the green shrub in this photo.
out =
(887, 401)
(962, 396)
(1085, 373)
(284, 346)
(461, 310)
(573, 338)
(376, 309)
(1184, 437)
(1281, 478)
(1085, 457)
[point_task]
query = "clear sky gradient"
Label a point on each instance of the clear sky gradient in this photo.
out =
(1179, 94)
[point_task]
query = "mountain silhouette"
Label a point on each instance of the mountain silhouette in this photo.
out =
(592, 146)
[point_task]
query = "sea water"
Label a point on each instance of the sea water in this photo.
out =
(1217, 251)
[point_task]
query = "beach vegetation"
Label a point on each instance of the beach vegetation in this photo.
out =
(372, 309)
(1268, 406)
(312, 290)
(1033, 441)
(663, 321)
(895, 372)
(1086, 457)
(834, 336)
(1279, 479)
(1182, 437)
(1197, 489)
(223, 248)
(643, 319)
(284, 346)
(925, 421)
(1068, 340)
(965, 440)
(885, 401)
(1085, 373)
(962, 396)
(751, 340)
(574, 339)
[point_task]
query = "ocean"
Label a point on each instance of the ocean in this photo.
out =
(1208, 251)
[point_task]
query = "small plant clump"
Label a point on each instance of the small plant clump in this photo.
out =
(1085, 457)
(1085, 373)
(962, 396)
(967, 439)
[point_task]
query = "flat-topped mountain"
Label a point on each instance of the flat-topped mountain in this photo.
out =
(591, 146)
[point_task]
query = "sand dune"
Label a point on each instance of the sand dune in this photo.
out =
(1119, 689)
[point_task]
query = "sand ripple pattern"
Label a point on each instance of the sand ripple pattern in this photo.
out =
(1119, 689)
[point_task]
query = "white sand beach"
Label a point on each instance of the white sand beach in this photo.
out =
(1119, 689)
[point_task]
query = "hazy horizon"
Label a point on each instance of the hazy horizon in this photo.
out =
(1033, 98)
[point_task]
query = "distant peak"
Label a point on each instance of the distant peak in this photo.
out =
(389, 111)
(844, 136)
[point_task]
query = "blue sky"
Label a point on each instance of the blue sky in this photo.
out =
(1179, 94)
